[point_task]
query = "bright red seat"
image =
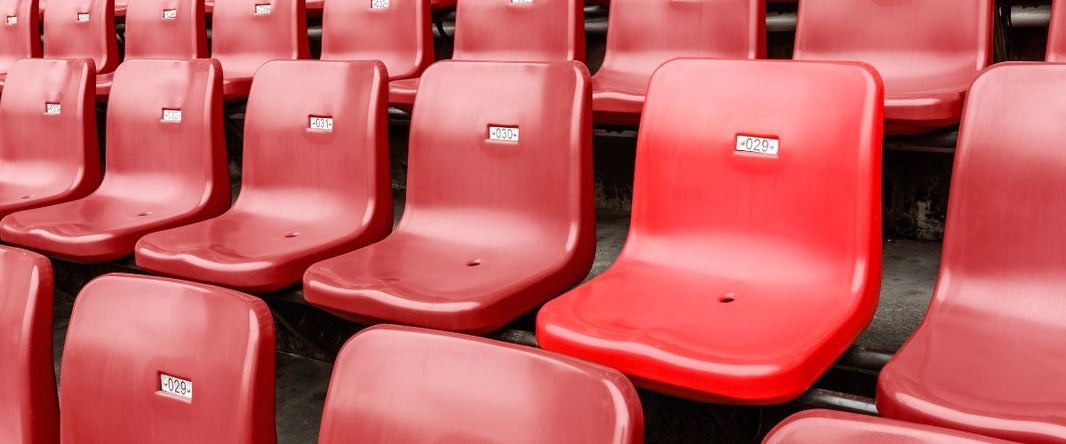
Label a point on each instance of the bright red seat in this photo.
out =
(927, 52)
(989, 353)
(161, 29)
(308, 193)
(166, 166)
(830, 427)
(154, 360)
(398, 35)
(504, 31)
(643, 34)
(744, 275)
(48, 146)
(1056, 41)
(20, 38)
(248, 33)
(82, 29)
(29, 412)
(475, 390)
(499, 214)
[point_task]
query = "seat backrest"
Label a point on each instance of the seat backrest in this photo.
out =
(154, 360)
(1056, 41)
(316, 142)
(49, 122)
(479, 391)
(502, 144)
(1004, 251)
(643, 34)
(248, 33)
(903, 39)
(165, 132)
(782, 172)
(396, 32)
(29, 413)
(166, 29)
(20, 35)
(82, 29)
(520, 31)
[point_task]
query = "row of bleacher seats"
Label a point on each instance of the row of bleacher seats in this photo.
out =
(747, 271)
(927, 52)
(312, 6)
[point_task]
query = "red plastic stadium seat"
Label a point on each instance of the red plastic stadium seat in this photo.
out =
(476, 390)
(989, 354)
(248, 33)
(504, 31)
(745, 275)
(499, 214)
(161, 29)
(308, 193)
(927, 52)
(830, 427)
(398, 35)
(166, 166)
(153, 360)
(643, 34)
(29, 412)
(48, 146)
(1056, 42)
(82, 29)
(20, 37)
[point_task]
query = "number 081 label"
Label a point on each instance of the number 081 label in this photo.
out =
(758, 145)
(175, 386)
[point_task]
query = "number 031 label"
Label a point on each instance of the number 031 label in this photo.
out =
(757, 145)
(175, 386)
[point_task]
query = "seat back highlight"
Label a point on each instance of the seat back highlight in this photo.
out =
(82, 29)
(164, 361)
(20, 35)
(248, 33)
(166, 29)
(536, 31)
(398, 34)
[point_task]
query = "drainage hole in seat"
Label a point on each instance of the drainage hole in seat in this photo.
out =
(474, 263)
(292, 235)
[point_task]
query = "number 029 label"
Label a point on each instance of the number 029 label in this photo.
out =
(175, 386)
(508, 134)
(757, 145)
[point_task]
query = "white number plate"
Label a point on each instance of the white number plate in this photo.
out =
(262, 9)
(11, 19)
(521, 1)
(379, 4)
(504, 133)
(321, 123)
(175, 386)
(170, 13)
(757, 145)
(52, 108)
(171, 115)
(83, 16)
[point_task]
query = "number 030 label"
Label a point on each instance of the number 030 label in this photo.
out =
(175, 386)
(757, 145)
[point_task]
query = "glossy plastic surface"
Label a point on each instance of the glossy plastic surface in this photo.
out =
(308, 194)
(504, 31)
(832, 427)
(160, 174)
(989, 354)
(492, 228)
(47, 158)
(150, 35)
(688, 308)
(29, 413)
(22, 39)
(82, 29)
(1056, 41)
(927, 52)
(643, 34)
(400, 36)
(478, 391)
(127, 332)
(244, 38)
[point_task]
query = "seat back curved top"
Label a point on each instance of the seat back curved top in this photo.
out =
(928, 53)
(130, 335)
(82, 29)
(166, 29)
(479, 391)
(29, 413)
(310, 191)
(399, 35)
(1056, 41)
(538, 31)
(833, 427)
(997, 269)
(48, 155)
(248, 33)
(20, 37)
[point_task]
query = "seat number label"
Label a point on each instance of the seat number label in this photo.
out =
(262, 9)
(505, 133)
(379, 4)
(171, 115)
(83, 16)
(170, 14)
(181, 388)
(11, 19)
(52, 108)
(320, 123)
(522, 1)
(758, 145)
